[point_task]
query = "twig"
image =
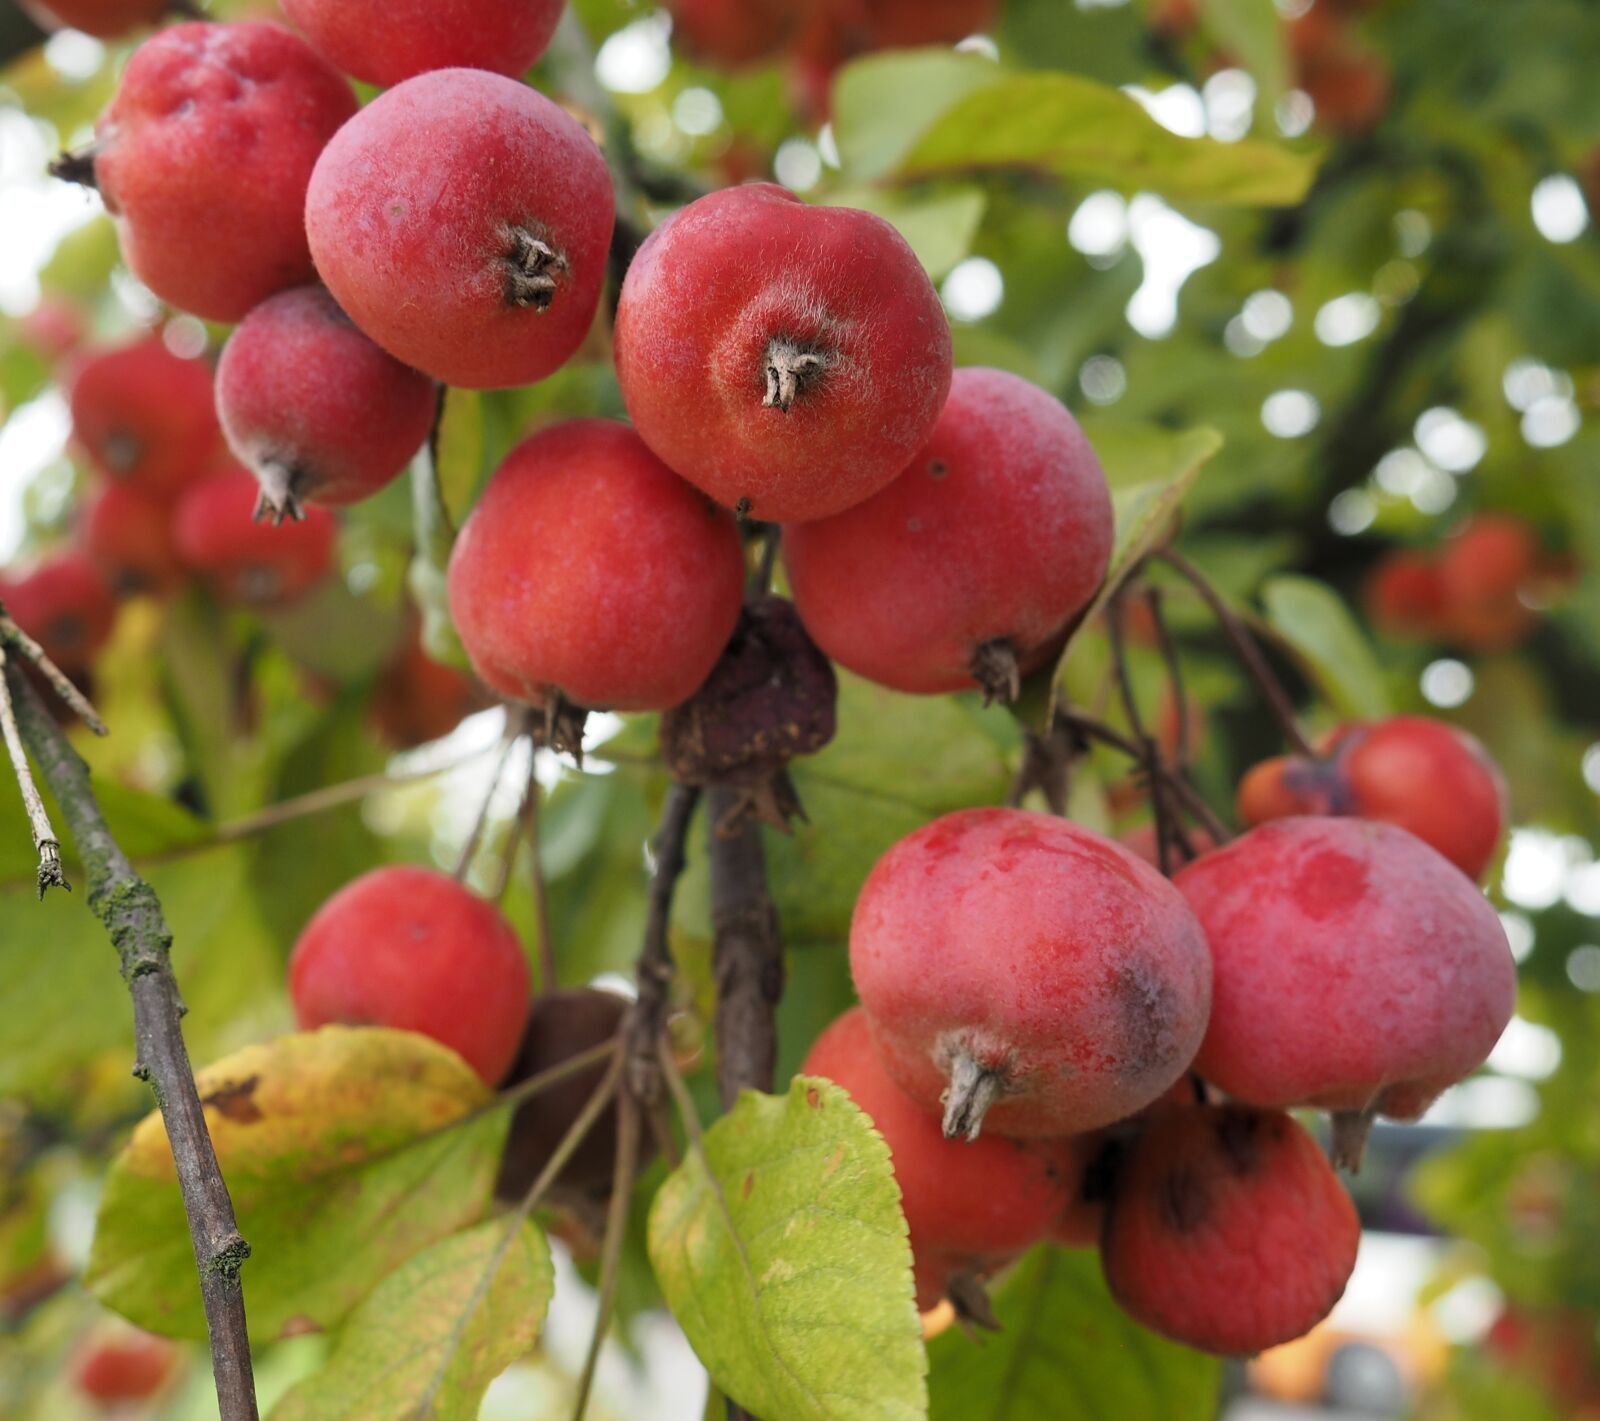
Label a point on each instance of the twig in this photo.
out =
(546, 945)
(761, 579)
(746, 953)
(622, 1179)
(45, 843)
(1245, 648)
(648, 1018)
(13, 636)
(132, 914)
(575, 1136)
(469, 850)
(1169, 655)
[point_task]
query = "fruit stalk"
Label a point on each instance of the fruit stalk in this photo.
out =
(132, 915)
(45, 842)
(1245, 648)
(747, 953)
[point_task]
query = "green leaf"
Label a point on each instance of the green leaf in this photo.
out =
(1066, 1352)
(461, 450)
(335, 1150)
(1150, 472)
(1253, 33)
(939, 228)
(395, 1342)
(783, 1253)
(927, 113)
(881, 104)
(1330, 647)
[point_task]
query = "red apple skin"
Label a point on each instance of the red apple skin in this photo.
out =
(65, 605)
(313, 408)
(1053, 957)
(730, 283)
(1483, 567)
(414, 212)
(999, 529)
(1355, 968)
(203, 159)
(966, 1205)
(128, 536)
(384, 42)
(1228, 1230)
(244, 561)
(145, 417)
(1421, 774)
(104, 19)
(1405, 596)
(590, 569)
(412, 949)
(127, 1367)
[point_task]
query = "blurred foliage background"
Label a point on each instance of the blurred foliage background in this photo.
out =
(1415, 342)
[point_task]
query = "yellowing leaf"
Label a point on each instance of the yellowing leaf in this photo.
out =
(783, 1254)
(394, 1343)
(335, 1151)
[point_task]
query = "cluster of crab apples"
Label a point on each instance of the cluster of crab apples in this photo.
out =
(1055, 1040)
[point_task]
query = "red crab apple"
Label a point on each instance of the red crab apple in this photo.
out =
(124, 1366)
(219, 539)
(785, 358)
(412, 949)
(463, 221)
(1027, 973)
(386, 41)
(969, 567)
(128, 536)
(1483, 568)
(104, 19)
(65, 605)
(1227, 1229)
(203, 159)
(589, 572)
(1405, 596)
(562, 1025)
(145, 417)
(901, 24)
(733, 33)
(313, 408)
(1411, 770)
(1355, 970)
(968, 1206)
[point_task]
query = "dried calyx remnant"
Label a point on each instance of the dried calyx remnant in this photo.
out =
(533, 268)
(791, 369)
(281, 488)
(995, 668)
(770, 698)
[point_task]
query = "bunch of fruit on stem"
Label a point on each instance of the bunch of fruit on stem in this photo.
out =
(1055, 1040)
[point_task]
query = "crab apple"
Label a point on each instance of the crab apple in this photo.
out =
(1227, 1230)
(128, 535)
(967, 1204)
(104, 19)
(1411, 770)
(383, 42)
(562, 1025)
(1355, 969)
(124, 1366)
(54, 327)
(1482, 569)
(219, 539)
(1026, 971)
(787, 359)
(970, 566)
(901, 24)
(65, 605)
(412, 949)
(1405, 596)
(203, 159)
(463, 220)
(418, 699)
(313, 408)
(590, 572)
(733, 33)
(145, 416)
